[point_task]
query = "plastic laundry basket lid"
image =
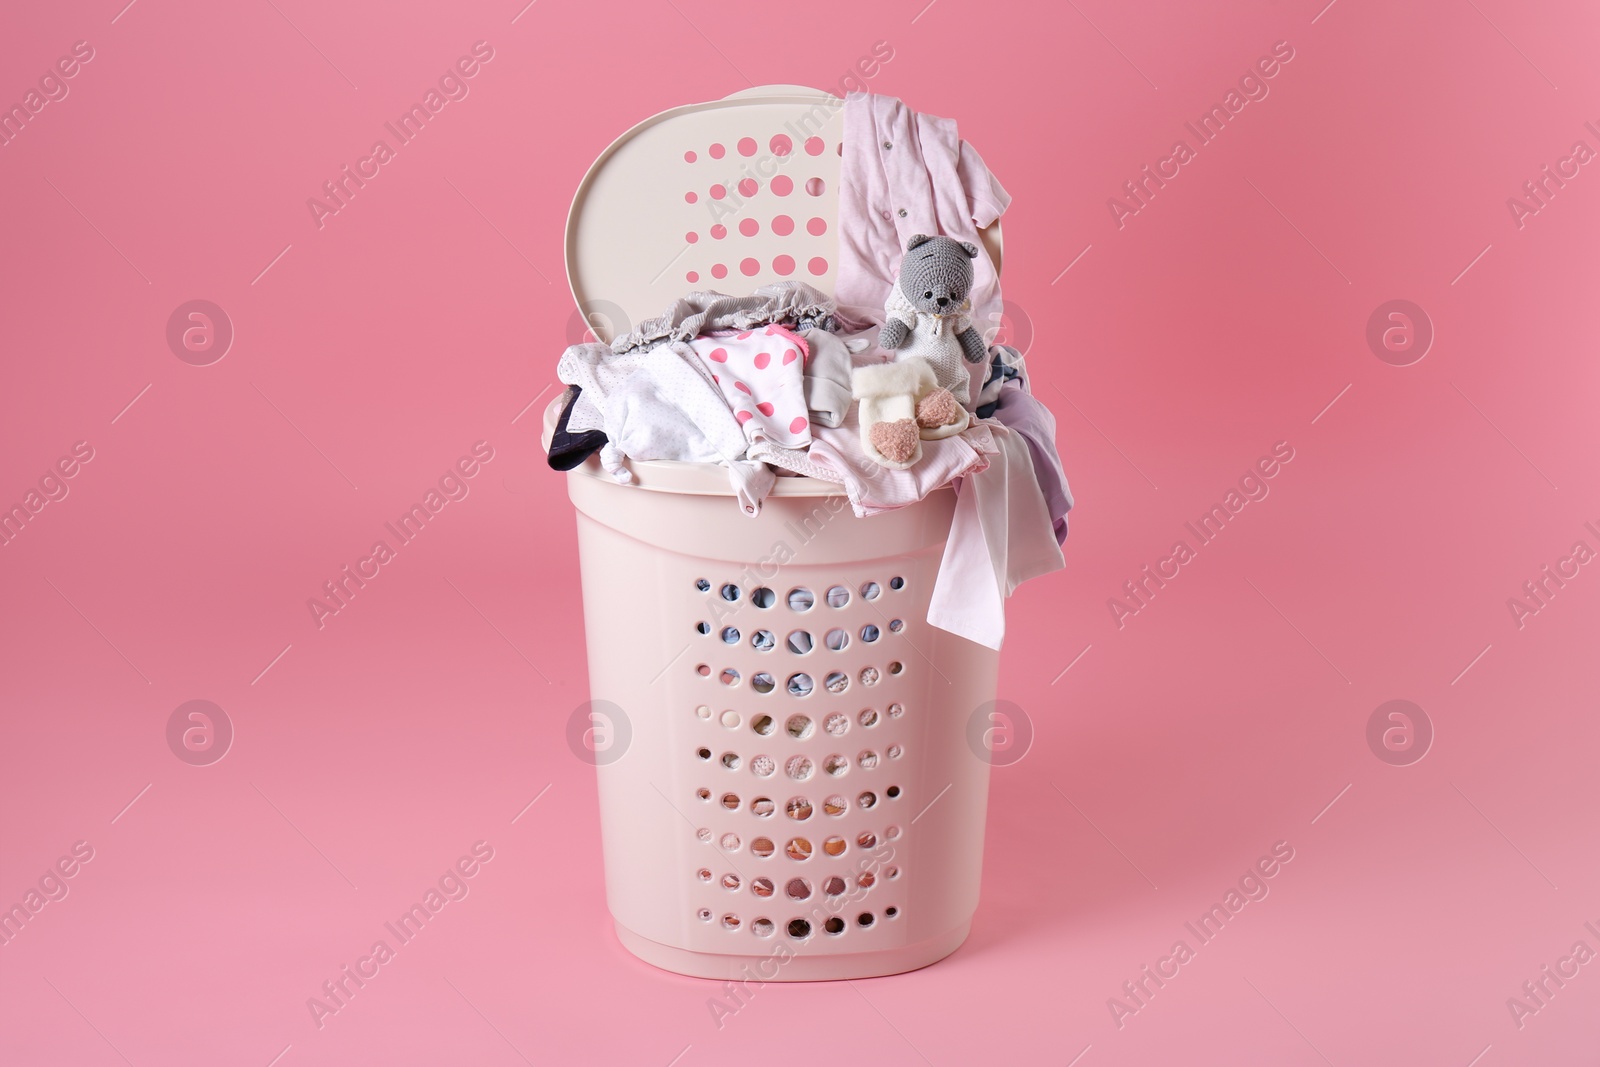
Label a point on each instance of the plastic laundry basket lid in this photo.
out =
(728, 195)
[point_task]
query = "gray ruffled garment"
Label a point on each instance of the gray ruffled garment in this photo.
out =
(794, 304)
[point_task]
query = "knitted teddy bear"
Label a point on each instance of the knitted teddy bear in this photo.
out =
(925, 392)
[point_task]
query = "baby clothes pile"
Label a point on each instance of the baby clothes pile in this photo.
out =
(779, 382)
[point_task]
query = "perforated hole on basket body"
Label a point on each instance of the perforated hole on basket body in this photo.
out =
(811, 686)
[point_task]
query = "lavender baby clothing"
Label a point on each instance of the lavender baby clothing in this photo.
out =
(1000, 537)
(903, 174)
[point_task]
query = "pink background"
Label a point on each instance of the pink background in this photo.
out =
(1224, 317)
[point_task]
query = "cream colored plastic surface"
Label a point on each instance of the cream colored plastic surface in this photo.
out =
(797, 796)
(791, 790)
(636, 241)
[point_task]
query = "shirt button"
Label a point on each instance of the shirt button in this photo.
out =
(902, 212)
(887, 146)
(886, 215)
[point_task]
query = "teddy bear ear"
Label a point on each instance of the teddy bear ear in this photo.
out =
(970, 249)
(919, 239)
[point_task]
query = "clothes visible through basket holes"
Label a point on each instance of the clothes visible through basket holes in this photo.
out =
(835, 805)
(798, 727)
(801, 599)
(835, 765)
(869, 676)
(762, 807)
(762, 682)
(763, 640)
(763, 725)
(838, 596)
(867, 760)
(763, 767)
(799, 768)
(798, 809)
(762, 887)
(837, 682)
(870, 633)
(836, 724)
(800, 685)
(836, 639)
(799, 642)
(798, 849)
(868, 717)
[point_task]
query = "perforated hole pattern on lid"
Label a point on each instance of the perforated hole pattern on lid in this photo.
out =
(730, 195)
(751, 190)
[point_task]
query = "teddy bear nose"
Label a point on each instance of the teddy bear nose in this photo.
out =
(943, 300)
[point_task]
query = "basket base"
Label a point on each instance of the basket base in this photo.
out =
(798, 967)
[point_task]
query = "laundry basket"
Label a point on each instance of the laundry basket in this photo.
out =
(787, 790)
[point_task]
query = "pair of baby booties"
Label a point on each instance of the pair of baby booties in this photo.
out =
(902, 405)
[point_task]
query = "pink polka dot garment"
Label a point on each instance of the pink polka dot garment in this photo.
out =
(761, 375)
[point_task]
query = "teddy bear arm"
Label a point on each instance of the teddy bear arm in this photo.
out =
(893, 335)
(972, 345)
